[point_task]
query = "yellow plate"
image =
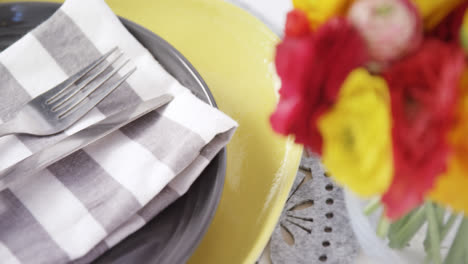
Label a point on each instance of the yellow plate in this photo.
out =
(233, 52)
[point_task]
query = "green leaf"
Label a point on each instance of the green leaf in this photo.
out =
(457, 251)
(397, 225)
(403, 235)
(433, 232)
(440, 214)
(443, 231)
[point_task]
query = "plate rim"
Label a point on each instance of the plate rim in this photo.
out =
(221, 158)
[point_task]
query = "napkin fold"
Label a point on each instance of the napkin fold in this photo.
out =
(79, 207)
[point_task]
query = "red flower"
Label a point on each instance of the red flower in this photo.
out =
(423, 90)
(312, 67)
(449, 29)
(297, 24)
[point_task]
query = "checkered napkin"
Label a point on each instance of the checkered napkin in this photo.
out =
(86, 203)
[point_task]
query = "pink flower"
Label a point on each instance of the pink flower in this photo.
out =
(391, 28)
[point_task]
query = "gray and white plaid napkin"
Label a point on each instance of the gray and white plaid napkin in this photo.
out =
(86, 203)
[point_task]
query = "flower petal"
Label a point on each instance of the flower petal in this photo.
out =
(356, 133)
(312, 68)
(424, 90)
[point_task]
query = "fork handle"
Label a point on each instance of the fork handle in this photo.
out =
(8, 128)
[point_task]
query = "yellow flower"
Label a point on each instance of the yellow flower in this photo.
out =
(464, 32)
(433, 11)
(357, 135)
(450, 188)
(319, 11)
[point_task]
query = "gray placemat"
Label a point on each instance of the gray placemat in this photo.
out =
(314, 225)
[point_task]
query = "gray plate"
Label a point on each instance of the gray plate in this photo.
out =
(173, 235)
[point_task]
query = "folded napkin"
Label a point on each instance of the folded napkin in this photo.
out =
(86, 203)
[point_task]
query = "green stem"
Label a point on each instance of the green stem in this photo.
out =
(397, 225)
(373, 205)
(383, 226)
(457, 250)
(401, 238)
(443, 231)
(427, 259)
(448, 225)
(440, 214)
(433, 232)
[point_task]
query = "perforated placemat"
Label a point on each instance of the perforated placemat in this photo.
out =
(314, 226)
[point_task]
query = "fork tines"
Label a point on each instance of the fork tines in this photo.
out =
(83, 86)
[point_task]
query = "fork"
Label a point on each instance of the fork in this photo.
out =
(60, 107)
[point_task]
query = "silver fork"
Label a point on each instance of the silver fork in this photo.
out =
(62, 106)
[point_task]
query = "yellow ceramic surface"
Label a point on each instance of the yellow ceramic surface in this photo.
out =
(233, 52)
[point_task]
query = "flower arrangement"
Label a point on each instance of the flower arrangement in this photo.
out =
(379, 89)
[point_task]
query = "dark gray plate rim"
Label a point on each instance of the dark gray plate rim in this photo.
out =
(173, 235)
